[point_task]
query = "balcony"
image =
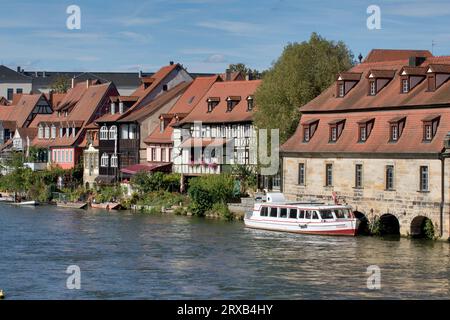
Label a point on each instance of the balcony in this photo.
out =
(198, 169)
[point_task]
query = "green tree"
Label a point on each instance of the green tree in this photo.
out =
(241, 67)
(300, 74)
(61, 84)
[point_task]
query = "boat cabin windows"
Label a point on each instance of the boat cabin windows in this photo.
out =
(342, 213)
(264, 212)
(315, 215)
(273, 212)
(293, 213)
(326, 214)
(302, 214)
(308, 214)
(283, 212)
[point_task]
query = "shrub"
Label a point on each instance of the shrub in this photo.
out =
(428, 229)
(145, 182)
(221, 209)
(205, 191)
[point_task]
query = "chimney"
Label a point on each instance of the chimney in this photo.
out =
(140, 73)
(171, 63)
(18, 69)
(228, 75)
(73, 83)
(360, 57)
(416, 61)
(43, 74)
(165, 87)
(88, 83)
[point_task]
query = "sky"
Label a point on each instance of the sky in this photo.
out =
(205, 35)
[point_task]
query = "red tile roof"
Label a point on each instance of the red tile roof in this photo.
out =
(383, 55)
(147, 167)
(20, 111)
(155, 105)
(219, 114)
(389, 96)
(378, 141)
(182, 107)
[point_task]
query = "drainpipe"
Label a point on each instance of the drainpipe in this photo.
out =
(441, 218)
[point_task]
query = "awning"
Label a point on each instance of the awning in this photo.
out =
(104, 179)
(203, 142)
(147, 167)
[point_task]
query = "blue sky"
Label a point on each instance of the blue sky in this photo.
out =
(204, 35)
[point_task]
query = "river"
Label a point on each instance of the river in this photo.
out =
(124, 255)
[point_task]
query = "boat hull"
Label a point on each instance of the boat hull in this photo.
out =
(72, 205)
(106, 206)
(341, 228)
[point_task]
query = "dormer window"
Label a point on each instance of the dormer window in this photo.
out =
(437, 75)
(40, 132)
(378, 79)
(232, 102)
(336, 128)
(212, 103)
(161, 125)
(430, 125)
(53, 132)
(346, 81)
(410, 77)
(104, 133)
(365, 128)
(309, 128)
(249, 103)
(396, 128)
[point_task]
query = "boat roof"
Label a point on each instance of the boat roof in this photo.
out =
(306, 205)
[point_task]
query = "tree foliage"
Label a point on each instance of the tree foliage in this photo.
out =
(60, 85)
(300, 74)
(145, 182)
(241, 67)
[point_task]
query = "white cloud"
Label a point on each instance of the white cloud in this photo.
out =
(216, 58)
(418, 9)
(142, 38)
(234, 27)
(137, 21)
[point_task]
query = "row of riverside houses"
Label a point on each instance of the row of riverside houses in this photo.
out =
(379, 138)
(115, 136)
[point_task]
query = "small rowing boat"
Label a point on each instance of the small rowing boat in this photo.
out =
(106, 205)
(72, 205)
(26, 203)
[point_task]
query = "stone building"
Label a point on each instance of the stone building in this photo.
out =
(377, 139)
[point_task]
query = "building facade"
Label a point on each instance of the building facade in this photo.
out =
(377, 140)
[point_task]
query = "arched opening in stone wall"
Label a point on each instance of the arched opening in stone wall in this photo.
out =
(363, 227)
(389, 225)
(422, 227)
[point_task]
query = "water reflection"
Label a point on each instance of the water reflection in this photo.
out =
(124, 255)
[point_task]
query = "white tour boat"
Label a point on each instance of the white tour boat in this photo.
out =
(302, 217)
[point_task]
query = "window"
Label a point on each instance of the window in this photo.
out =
(249, 104)
(263, 212)
(273, 212)
(389, 177)
(362, 133)
(163, 154)
(61, 132)
(306, 135)
(283, 212)
(70, 156)
(373, 88)
(231, 104)
(424, 178)
(394, 132)
(114, 161)
(341, 90)
(301, 174)
(293, 213)
(329, 175)
(74, 132)
(104, 162)
(308, 214)
(10, 94)
(113, 133)
(153, 154)
(124, 131)
(405, 86)
(358, 175)
(212, 103)
(301, 214)
(161, 125)
(428, 132)
(315, 215)
(326, 214)
(19, 90)
(53, 132)
(40, 132)
(104, 133)
(47, 132)
(333, 134)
